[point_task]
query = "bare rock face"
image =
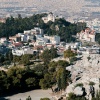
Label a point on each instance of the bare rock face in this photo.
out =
(85, 71)
(70, 89)
(78, 91)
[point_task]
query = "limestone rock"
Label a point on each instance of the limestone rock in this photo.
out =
(78, 91)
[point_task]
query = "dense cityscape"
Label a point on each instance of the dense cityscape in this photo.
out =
(49, 52)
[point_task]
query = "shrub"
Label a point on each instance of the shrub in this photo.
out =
(72, 96)
(88, 58)
(73, 59)
(91, 83)
(44, 99)
(79, 84)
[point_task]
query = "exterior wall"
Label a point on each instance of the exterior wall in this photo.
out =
(87, 35)
(50, 17)
(45, 19)
(2, 40)
(41, 42)
(24, 38)
(37, 31)
(53, 39)
(30, 37)
(72, 46)
(92, 38)
(17, 52)
(27, 32)
(13, 38)
(22, 51)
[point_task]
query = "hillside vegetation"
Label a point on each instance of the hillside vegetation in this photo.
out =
(60, 27)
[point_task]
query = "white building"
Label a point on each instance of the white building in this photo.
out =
(37, 31)
(50, 17)
(53, 39)
(2, 40)
(23, 37)
(87, 35)
(41, 41)
(26, 37)
(30, 37)
(27, 32)
(72, 45)
(19, 52)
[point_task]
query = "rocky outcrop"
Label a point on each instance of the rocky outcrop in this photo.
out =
(78, 91)
(85, 71)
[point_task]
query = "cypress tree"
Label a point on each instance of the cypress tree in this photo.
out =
(63, 79)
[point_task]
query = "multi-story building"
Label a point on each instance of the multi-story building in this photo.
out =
(35, 31)
(23, 37)
(22, 51)
(53, 39)
(41, 41)
(87, 35)
(15, 38)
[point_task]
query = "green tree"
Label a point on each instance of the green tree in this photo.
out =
(53, 52)
(25, 59)
(46, 82)
(44, 99)
(2, 59)
(16, 58)
(69, 54)
(10, 56)
(62, 63)
(63, 80)
(72, 96)
(59, 83)
(30, 82)
(45, 56)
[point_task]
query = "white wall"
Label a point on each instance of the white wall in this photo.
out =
(22, 51)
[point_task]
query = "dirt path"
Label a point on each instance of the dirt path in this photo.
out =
(35, 95)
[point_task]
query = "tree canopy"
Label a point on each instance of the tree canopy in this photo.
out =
(69, 53)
